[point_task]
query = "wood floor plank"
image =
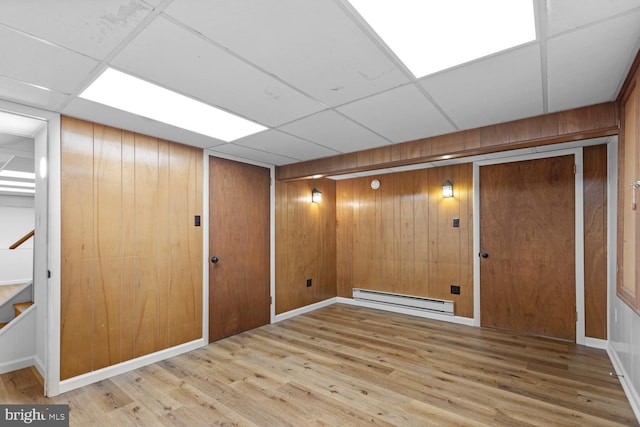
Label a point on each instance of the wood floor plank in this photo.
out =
(344, 365)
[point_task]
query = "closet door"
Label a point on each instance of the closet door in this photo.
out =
(527, 243)
(239, 267)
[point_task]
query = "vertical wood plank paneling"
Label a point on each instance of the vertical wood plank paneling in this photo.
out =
(128, 233)
(400, 238)
(107, 268)
(195, 190)
(367, 269)
(283, 246)
(404, 186)
(445, 240)
(118, 200)
(146, 246)
(344, 237)
(76, 289)
(166, 203)
(628, 220)
(629, 175)
(308, 215)
(325, 285)
(386, 255)
(464, 301)
(421, 235)
(182, 283)
(305, 244)
(595, 241)
(299, 241)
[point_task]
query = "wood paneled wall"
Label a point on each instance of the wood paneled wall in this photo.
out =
(595, 241)
(564, 126)
(305, 244)
(131, 255)
(400, 238)
(628, 235)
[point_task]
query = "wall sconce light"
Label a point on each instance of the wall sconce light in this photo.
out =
(316, 196)
(447, 189)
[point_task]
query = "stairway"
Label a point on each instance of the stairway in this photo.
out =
(14, 300)
(18, 309)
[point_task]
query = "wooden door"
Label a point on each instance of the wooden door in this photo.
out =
(527, 242)
(239, 268)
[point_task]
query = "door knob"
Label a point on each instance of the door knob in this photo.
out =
(485, 255)
(214, 259)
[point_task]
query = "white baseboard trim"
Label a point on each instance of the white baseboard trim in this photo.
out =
(596, 343)
(130, 365)
(14, 365)
(625, 380)
(411, 312)
(39, 365)
(306, 309)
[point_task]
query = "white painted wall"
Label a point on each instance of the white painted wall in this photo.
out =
(624, 345)
(17, 264)
(16, 351)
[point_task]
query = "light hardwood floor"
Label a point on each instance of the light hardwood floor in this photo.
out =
(349, 366)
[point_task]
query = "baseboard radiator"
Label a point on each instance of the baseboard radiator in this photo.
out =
(404, 301)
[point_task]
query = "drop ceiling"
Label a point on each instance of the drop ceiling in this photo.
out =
(311, 71)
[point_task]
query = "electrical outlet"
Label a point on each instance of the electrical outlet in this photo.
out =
(455, 289)
(309, 283)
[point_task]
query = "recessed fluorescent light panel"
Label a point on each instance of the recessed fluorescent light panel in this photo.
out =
(430, 36)
(131, 94)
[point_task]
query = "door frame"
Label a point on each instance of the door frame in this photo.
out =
(47, 258)
(535, 154)
(205, 230)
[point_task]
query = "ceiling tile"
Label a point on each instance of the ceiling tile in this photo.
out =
(174, 57)
(400, 114)
(310, 44)
(496, 89)
(251, 154)
(33, 61)
(334, 131)
(581, 76)
(91, 27)
(290, 146)
(23, 93)
(566, 15)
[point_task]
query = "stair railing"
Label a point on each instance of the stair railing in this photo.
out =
(23, 239)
